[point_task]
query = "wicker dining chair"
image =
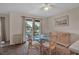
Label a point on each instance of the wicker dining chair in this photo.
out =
(63, 43)
(52, 43)
(32, 45)
(29, 45)
(51, 48)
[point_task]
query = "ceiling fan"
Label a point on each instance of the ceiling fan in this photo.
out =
(47, 6)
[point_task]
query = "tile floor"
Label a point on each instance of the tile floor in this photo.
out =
(20, 49)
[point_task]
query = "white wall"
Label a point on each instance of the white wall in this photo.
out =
(15, 28)
(44, 26)
(73, 27)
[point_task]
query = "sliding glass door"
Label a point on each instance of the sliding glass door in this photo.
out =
(28, 28)
(37, 30)
(33, 29)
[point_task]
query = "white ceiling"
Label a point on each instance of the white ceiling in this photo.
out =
(34, 8)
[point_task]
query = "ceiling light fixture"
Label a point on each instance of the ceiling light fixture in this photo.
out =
(46, 6)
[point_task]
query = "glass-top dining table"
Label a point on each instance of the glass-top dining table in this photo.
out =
(44, 38)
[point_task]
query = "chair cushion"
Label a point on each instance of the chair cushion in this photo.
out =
(75, 47)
